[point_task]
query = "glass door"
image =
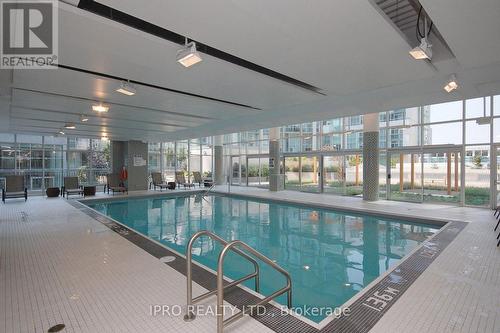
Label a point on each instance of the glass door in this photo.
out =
(292, 173)
(441, 176)
(310, 174)
(405, 176)
(354, 174)
(334, 174)
(253, 171)
(236, 170)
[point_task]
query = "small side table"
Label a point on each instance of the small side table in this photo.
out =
(53, 192)
(88, 191)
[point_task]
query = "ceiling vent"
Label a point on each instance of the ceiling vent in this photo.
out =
(408, 16)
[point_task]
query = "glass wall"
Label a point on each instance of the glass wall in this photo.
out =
(247, 153)
(188, 156)
(45, 160)
(432, 153)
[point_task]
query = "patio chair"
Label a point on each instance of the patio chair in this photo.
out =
(197, 178)
(158, 181)
(14, 188)
(113, 184)
(71, 186)
(180, 179)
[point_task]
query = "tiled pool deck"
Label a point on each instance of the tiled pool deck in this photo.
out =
(58, 265)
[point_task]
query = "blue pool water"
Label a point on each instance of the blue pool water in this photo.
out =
(330, 255)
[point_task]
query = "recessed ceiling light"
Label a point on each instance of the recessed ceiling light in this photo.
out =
(188, 56)
(423, 51)
(452, 84)
(84, 118)
(306, 267)
(100, 108)
(61, 132)
(126, 88)
(69, 126)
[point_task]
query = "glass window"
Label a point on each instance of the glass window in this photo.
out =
(475, 133)
(290, 130)
(332, 126)
(253, 147)
(310, 143)
(440, 134)
(79, 143)
(404, 137)
(442, 112)
(265, 134)
(331, 142)
(354, 140)
(404, 117)
(21, 138)
(154, 151)
(477, 107)
(182, 156)
(477, 176)
(291, 145)
(264, 147)
(496, 105)
(496, 130)
(253, 135)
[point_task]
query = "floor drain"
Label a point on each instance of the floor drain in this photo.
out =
(56, 328)
(167, 259)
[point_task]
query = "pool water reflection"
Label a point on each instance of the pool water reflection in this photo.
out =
(330, 255)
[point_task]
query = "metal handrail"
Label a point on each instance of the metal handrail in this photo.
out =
(231, 246)
(220, 285)
(211, 188)
(190, 300)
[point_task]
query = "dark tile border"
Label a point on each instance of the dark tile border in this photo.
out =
(365, 311)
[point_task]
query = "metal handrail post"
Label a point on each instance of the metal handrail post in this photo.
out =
(189, 266)
(220, 284)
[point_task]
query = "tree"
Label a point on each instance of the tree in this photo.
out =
(477, 161)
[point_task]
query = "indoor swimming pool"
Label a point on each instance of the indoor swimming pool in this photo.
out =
(331, 255)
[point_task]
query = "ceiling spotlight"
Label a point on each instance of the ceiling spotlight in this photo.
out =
(61, 132)
(126, 88)
(452, 84)
(84, 118)
(100, 108)
(69, 126)
(423, 51)
(188, 56)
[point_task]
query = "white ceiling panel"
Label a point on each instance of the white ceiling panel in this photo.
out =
(341, 46)
(471, 28)
(91, 42)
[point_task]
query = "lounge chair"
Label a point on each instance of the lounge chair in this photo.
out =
(197, 178)
(114, 184)
(181, 180)
(71, 186)
(14, 188)
(158, 181)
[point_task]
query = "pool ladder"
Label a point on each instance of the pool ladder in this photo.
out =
(235, 247)
(206, 192)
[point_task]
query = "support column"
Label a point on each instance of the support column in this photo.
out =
(218, 160)
(134, 156)
(137, 165)
(276, 180)
(370, 157)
